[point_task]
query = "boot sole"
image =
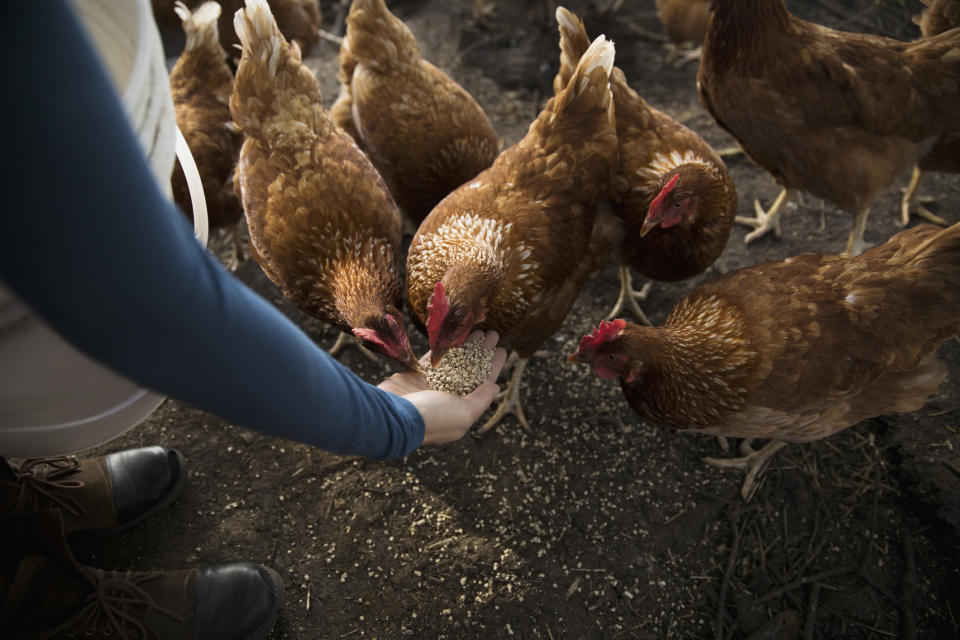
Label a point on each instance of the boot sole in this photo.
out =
(277, 583)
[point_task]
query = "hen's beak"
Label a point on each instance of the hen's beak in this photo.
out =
(411, 362)
(574, 358)
(436, 355)
(648, 225)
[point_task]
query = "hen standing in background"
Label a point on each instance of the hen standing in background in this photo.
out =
(938, 17)
(201, 84)
(673, 194)
(322, 223)
(685, 21)
(511, 250)
(841, 115)
(299, 20)
(794, 350)
(422, 131)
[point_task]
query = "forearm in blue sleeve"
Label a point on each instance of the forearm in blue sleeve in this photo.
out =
(93, 246)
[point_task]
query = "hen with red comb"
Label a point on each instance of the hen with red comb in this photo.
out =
(672, 193)
(794, 350)
(511, 249)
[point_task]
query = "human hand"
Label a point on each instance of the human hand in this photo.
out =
(446, 416)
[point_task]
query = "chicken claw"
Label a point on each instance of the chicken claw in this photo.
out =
(909, 195)
(752, 462)
(509, 400)
(765, 220)
(629, 295)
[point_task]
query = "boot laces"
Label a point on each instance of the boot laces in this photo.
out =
(51, 485)
(115, 595)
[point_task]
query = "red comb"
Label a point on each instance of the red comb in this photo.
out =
(607, 330)
(437, 309)
(667, 188)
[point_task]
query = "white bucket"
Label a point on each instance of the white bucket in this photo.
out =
(53, 399)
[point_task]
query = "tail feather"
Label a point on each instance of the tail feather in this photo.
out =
(200, 26)
(259, 34)
(589, 86)
(377, 38)
(573, 43)
(274, 91)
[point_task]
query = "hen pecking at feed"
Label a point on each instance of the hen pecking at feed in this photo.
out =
(511, 250)
(794, 350)
(322, 223)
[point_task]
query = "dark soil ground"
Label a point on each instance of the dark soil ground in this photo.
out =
(595, 524)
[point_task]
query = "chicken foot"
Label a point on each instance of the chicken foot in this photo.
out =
(753, 462)
(345, 340)
(629, 295)
(509, 399)
(909, 195)
(765, 220)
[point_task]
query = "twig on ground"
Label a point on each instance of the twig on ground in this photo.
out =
(810, 623)
(799, 582)
(908, 588)
(731, 563)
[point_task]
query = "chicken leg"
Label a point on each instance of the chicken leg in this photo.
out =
(909, 195)
(510, 399)
(345, 340)
(855, 241)
(629, 295)
(679, 56)
(752, 462)
(765, 220)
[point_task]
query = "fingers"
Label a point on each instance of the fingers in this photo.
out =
(496, 364)
(480, 399)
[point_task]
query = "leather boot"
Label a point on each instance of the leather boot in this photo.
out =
(46, 594)
(111, 492)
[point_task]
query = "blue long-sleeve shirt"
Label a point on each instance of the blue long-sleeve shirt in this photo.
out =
(88, 240)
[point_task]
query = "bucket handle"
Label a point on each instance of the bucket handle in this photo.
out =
(201, 224)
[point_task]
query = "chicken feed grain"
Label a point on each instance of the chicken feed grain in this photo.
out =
(462, 369)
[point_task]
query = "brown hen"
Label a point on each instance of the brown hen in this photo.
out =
(511, 250)
(685, 22)
(201, 84)
(673, 194)
(841, 115)
(322, 223)
(422, 131)
(794, 350)
(938, 17)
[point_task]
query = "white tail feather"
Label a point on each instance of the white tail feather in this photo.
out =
(200, 26)
(600, 54)
(254, 25)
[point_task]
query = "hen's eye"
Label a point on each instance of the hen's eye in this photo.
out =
(676, 205)
(612, 357)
